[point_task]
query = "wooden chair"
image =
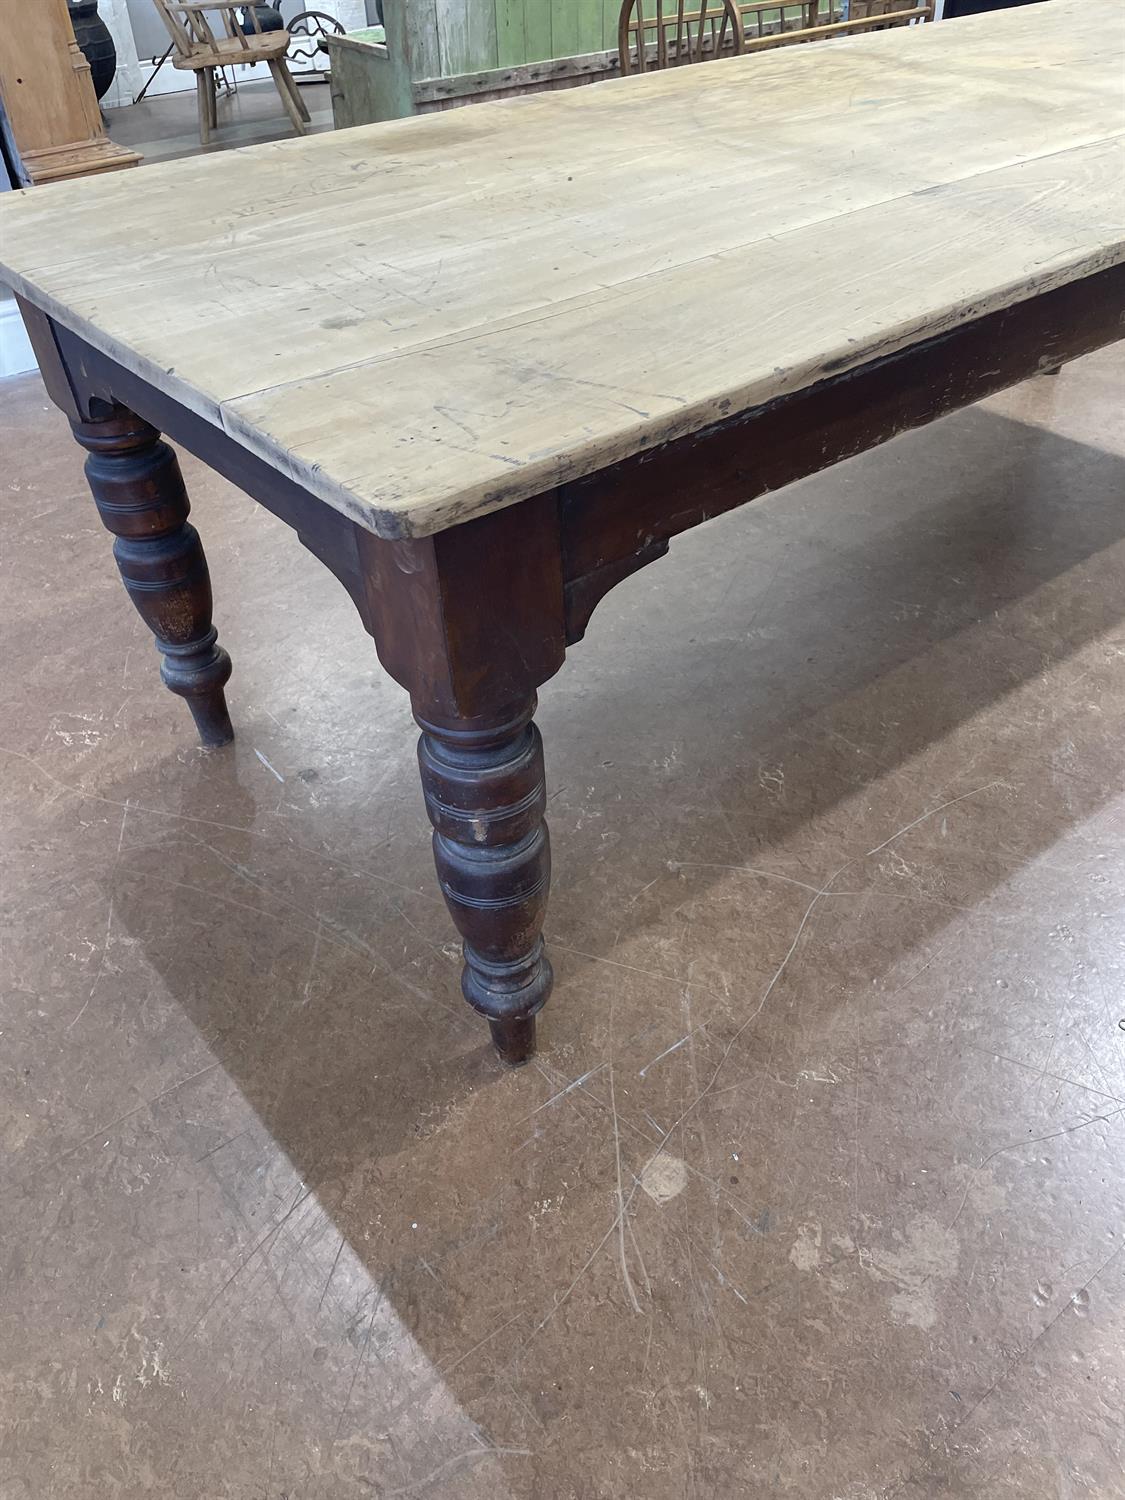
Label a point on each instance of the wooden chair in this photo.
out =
(664, 33)
(668, 33)
(199, 50)
(767, 24)
(763, 19)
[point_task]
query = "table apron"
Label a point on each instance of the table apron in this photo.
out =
(619, 519)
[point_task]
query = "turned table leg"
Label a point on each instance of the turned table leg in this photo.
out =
(471, 621)
(485, 796)
(136, 483)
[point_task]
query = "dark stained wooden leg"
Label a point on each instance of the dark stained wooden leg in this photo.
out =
(137, 487)
(471, 621)
(485, 796)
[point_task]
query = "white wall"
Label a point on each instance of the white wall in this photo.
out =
(15, 351)
(130, 75)
(16, 357)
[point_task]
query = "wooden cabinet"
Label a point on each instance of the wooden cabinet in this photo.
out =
(52, 125)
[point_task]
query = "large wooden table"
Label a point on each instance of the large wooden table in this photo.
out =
(488, 363)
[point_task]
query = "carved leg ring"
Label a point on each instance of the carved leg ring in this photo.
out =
(137, 487)
(485, 795)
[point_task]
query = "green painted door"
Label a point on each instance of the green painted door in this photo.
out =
(531, 30)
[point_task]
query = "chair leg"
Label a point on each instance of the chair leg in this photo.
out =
(203, 99)
(280, 77)
(295, 89)
(213, 96)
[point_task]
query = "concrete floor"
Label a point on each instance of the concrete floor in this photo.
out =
(816, 1188)
(164, 126)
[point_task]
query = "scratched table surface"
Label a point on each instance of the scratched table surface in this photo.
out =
(425, 320)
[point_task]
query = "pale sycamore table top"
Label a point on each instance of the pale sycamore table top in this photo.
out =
(425, 320)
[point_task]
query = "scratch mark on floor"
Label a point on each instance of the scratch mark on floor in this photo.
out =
(1016, 1062)
(953, 801)
(1034, 1140)
(101, 965)
(634, 899)
(312, 961)
(439, 1375)
(560, 1302)
(222, 1145)
(820, 894)
(666, 1053)
(700, 864)
(724, 1280)
(271, 769)
(128, 1115)
(244, 829)
(243, 1263)
(626, 1278)
(614, 963)
(361, 1360)
(331, 1273)
(451, 1463)
(562, 1093)
(1009, 1368)
(510, 1386)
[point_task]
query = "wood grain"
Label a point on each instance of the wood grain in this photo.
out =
(467, 36)
(511, 33)
(463, 310)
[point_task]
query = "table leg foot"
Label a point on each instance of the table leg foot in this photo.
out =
(514, 1040)
(135, 479)
(198, 673)
(485, 796)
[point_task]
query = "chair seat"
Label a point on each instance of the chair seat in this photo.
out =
(229, 51)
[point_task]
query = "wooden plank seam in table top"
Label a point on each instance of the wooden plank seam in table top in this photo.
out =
(427, 320)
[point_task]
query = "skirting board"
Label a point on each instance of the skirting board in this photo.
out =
(15, 350)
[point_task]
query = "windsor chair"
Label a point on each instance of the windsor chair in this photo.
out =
(201, 49)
